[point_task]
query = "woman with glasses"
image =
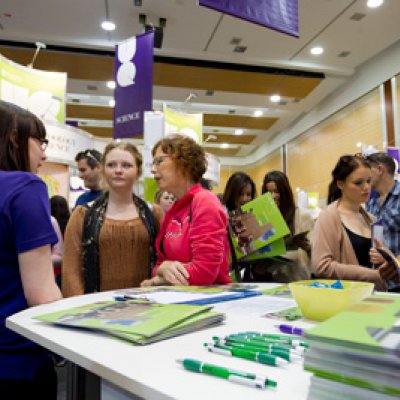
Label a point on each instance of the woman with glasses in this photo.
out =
(341, 248)
(26, 236)
(192, 245)
(110, 245)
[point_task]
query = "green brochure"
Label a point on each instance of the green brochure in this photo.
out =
(126, 317)
(360, 346)
(257, 224)
(273, 249)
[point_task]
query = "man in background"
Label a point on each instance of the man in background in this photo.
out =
(386, 206)
(89, 167)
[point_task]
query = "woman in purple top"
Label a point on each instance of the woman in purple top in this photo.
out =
(26, 235)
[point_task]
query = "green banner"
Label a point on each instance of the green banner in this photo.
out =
(41, 92)
(185, 124)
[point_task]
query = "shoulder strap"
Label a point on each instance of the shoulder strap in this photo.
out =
(92, 223)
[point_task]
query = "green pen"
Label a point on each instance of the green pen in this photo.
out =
(263, 358)
(244, 378)
(269, 338)
(293, 339)
(276, 350)
(259, 343)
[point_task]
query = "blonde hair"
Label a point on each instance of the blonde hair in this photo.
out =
(126, 146)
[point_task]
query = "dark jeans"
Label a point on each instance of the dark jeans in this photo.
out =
(42, 387)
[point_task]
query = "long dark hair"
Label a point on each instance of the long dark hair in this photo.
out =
(234, 187)
(60, 211)
(287, 206)
(344, 167)
(16, 127)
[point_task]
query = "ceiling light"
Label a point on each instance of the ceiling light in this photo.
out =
(275, 98)
(374, 3)
(258, 113)
(316, 51)
(111, 84)
(224, 145)
(108, 25)
(111, 103)
(238, 131)
(359, 144)
(210, 137)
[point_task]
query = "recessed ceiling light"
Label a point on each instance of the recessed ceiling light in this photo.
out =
(238, 131)
(316, 51)
(108, 25)
(359, 144)
(111, 84)
(258, 113)
(224, 145)
(374, 3)
(111, 103)
(275, 98)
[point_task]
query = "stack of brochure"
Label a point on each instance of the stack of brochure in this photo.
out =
(356, 353)
(138, 321)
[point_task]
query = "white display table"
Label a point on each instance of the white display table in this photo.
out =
(151, 371)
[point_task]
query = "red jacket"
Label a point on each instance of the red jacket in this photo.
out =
(194, 232)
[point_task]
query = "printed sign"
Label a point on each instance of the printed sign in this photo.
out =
(41, 92)
(134, 84)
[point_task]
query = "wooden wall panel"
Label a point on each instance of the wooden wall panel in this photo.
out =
(225, 173)
(313, 155)
(271, 163)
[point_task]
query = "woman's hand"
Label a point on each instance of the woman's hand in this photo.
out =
(173, 273)
(375, 257)
(155, 281)
(389, 271)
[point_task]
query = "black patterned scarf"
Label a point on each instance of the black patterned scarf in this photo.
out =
(92, 224)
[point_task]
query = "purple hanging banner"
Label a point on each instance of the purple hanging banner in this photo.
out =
(395, 153)
(133, 92)
(281, 15)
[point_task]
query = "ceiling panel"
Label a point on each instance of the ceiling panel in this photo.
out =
(238, 121)
(222, 152)
(75, 111)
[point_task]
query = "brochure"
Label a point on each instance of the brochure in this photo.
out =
(257, 224)
(359, 346)
(143, 320)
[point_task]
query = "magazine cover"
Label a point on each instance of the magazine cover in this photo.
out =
(257, 224)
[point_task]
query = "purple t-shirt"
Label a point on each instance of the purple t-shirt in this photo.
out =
(24, 225)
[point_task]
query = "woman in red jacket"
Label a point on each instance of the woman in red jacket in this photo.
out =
(192, 245)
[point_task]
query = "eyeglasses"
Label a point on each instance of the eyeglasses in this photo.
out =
(42, 142)
(158, 160)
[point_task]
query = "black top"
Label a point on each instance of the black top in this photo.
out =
(361, 246)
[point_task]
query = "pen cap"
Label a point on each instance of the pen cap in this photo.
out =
(192, 365)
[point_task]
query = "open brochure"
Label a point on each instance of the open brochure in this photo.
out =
(257, 224)
(180, 296)
(135, 320)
